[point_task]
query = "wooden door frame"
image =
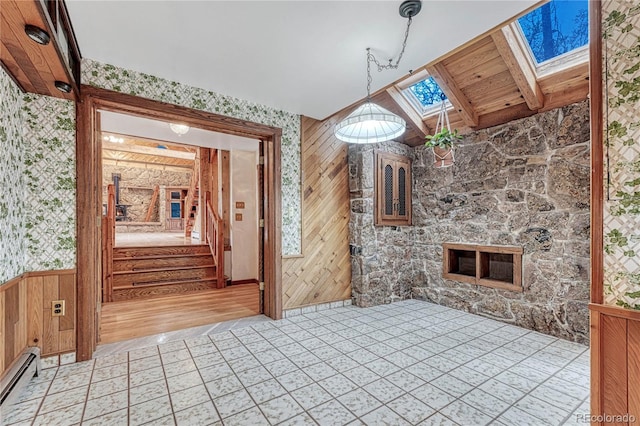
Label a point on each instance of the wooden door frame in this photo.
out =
(89, 196)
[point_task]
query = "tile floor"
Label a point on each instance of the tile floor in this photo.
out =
(406, 363)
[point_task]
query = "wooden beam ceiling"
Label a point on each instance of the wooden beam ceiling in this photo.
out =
(489, 81)
(138, 149)
(519, 65)
(455, 95)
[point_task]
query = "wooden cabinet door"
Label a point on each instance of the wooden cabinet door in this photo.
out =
(393, 189)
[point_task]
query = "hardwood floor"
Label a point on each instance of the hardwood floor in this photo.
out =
(135, 239)
(129, 319)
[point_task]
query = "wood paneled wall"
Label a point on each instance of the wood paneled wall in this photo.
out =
(323, 272)
(25, 314)
(615, 364)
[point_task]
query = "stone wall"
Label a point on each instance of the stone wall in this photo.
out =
(136, 188)
(525, 183)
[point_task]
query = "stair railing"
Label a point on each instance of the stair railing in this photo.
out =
(108, 240)
(189, 201)
(215, 239)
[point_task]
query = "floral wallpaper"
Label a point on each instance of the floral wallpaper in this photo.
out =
(621, 50)
(149, 86)
(49, 173)
(12, 226)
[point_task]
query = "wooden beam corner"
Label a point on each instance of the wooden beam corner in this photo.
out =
(459, 100)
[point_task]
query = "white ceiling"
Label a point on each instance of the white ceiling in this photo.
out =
(306, 57)
(130, 125)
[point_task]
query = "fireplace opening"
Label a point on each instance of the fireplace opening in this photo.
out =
(121, 209)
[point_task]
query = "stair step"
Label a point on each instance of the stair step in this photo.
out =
(167, 289)
(153, 263)
(119, 252)
(163, 256)
(174, 282)
(167, 269)
(129, 279)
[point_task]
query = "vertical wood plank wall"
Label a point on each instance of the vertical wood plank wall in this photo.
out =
(25, 314)
(323, 272)
(615, 359)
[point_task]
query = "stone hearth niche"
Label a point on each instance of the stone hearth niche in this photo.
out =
(522, 184)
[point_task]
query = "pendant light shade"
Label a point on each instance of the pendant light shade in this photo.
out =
(370, 123)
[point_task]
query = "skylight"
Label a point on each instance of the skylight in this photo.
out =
(427, 92)
(556, 28)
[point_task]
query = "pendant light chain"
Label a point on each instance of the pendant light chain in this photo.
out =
(389, 66)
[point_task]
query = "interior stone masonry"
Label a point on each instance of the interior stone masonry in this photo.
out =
(136, 187)
(525, 183)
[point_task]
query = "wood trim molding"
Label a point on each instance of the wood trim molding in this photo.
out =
(459, 100)
(597, 152)
(519, 64)
(88, 178)
(249, 281)
(597, 203)
(615, 311)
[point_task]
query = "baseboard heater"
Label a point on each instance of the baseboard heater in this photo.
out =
(18, 375)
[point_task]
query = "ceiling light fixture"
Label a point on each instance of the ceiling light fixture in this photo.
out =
(370, 123)
(179, 129)
(62, 86)
(37, 34)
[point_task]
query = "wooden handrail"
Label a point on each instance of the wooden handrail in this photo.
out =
(188, 202)
(215, 239)
(108, 240)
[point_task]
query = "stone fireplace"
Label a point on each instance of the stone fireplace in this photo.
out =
(524, 184)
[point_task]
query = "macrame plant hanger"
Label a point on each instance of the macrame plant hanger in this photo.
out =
(443, 158)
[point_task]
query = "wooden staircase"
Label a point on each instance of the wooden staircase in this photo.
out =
(146, 272)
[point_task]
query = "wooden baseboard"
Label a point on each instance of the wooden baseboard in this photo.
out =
(250, 281)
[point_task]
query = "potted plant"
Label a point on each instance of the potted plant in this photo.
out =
(442, 141)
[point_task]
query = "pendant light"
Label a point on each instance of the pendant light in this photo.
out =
(370, 123)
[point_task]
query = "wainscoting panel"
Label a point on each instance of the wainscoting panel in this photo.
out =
(26, 314)
(615, 364)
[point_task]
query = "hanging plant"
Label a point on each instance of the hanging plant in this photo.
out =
(442, 141)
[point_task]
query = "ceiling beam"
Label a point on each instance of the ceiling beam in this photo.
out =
(459, 100)
(414, 117)
(519, 65)
(146, 150)
(148, 166)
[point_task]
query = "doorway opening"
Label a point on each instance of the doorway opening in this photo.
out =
(194, 221)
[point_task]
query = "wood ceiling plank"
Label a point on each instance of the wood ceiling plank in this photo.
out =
(10, 64)
(24, 60)
(491, 88)
(459, 100)
(518, 63)
(414, 117)
(143, 165)
(574, 76)
(497, 104)
(505, 115)
(472, 59)
(141, 158)
(487, 70)
(121, 147)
